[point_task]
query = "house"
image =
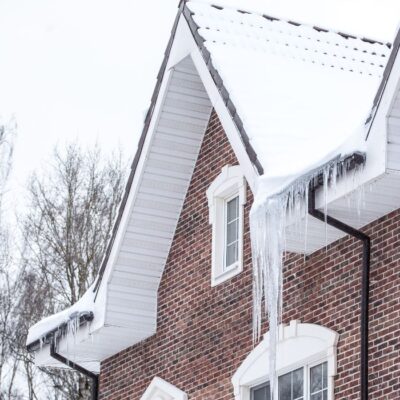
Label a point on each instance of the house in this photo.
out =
(249, 113)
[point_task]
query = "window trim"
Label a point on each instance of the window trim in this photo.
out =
(161, 389)
(230, 183)
(313, 343)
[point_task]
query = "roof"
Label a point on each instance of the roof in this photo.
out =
(285, 80)
(247, 56)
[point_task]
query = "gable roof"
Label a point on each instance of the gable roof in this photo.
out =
(224, 38)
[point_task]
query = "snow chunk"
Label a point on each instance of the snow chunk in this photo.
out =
(46, 325)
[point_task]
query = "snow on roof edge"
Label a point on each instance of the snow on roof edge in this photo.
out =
(79, 318)
(395, 51)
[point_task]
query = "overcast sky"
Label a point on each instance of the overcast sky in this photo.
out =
(86, 68)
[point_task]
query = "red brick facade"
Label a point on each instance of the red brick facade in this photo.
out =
(205, 333)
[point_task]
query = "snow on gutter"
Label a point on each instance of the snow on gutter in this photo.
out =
(63, 323)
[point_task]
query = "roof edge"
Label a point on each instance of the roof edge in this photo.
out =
(386, 74)
(216, 77)
(82, 318)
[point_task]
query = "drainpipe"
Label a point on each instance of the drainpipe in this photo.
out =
(76, 367)
(366, 257)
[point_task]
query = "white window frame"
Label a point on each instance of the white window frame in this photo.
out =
(299, 345)
(159, 389)
(228, 184)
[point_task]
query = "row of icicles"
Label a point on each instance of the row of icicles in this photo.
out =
(268, 223)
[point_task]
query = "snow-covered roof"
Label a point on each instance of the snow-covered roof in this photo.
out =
(299, 90)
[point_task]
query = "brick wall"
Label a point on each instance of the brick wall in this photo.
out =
(205, 333)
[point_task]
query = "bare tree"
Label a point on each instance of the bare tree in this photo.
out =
(8, 364)
(72, 207)
(7, 137)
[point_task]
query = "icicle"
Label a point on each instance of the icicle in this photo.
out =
(267, 227)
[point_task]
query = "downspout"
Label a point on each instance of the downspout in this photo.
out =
(94, 377)
(366, 241)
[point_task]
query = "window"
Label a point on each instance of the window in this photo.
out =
(159, 389)
(226, 198)
(306, 383)
(306, 365)
(232, 232)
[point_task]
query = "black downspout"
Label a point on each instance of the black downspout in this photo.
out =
(366, 241)
(76, 367)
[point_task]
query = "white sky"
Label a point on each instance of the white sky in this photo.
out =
(86, 68)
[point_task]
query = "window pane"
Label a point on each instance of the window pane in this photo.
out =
(232, 209)
(297, 384)
(232, 231)
(231, 254)
(285, 387)
(291, 385)
(261, 393)
(319, 382)
(316, 378)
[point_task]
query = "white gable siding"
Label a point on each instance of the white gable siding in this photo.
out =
(132, 288)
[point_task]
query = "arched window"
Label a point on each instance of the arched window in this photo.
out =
(226, 198)
(306, 365)
(159, 389)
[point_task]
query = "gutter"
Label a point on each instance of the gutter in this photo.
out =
(76, 367)
(366, 259)
(84, 317)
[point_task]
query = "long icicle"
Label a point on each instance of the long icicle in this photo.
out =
(267, 227)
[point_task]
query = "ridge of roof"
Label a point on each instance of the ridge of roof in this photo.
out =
(272, 18)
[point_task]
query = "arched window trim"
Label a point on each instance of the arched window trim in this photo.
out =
(159, 389)
(314, 344)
